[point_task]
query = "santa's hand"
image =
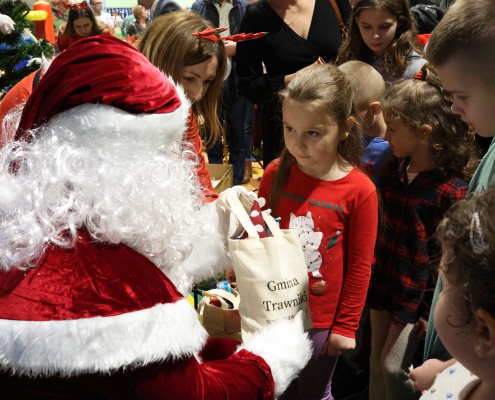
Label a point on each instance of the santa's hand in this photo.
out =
(337, 345)
(6, 24)
(251, 196)
(285, 347)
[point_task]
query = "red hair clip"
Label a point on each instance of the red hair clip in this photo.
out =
(76, 7)
(242, 37)
(209, 33)
(421, 75)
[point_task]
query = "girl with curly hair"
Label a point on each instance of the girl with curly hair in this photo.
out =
(465, 312)
(433, 149)
(382, 34)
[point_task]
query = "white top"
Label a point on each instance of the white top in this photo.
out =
(106, 18)
(411, 176)
(454, 383)
(223, 14)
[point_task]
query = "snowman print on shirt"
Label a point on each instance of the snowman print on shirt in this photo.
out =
(310, 241)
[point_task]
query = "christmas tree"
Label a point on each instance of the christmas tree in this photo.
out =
(17, 48)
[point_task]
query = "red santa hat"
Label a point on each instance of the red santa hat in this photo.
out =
(99, 70)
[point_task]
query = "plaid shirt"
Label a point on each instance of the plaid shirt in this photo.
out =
(400, 270)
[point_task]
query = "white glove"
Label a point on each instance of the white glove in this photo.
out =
(6, 24)
(285, 347)
(238, 190)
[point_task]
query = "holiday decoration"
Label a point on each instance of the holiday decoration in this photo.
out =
(20, 53)
(319, 288)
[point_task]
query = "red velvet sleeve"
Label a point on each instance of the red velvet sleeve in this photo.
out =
(202, 171)
(363, 223)
(243, 376)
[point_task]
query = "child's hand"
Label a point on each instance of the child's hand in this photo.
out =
(420, 328)
(424, 376)
(337, 345)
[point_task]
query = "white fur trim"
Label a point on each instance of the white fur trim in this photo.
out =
(285, 348)
(96, 118)
(101, 344)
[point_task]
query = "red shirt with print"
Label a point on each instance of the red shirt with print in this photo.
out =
(337, 224)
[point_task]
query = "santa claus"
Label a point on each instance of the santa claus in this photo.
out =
(102, 226)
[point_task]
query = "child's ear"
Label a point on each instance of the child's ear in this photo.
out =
(376, 107)
(485, 326)
(349, 124)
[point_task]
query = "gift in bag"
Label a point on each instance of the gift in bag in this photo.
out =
(271, 272)
(222, 320)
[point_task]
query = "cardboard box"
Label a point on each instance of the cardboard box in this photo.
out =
(222, 176)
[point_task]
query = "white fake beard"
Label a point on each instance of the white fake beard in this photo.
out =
(120, 180)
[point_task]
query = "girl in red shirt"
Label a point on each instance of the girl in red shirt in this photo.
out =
(317, 188)
(81, 24)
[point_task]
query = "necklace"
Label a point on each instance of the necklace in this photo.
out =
(296, 17)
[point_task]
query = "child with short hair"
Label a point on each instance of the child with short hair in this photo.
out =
(382, 34)
(465, 312)
(318, 188)
(461, 50)
(433, 148)
(368, 87)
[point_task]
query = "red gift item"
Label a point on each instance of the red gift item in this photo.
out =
(257, 220)
(216, 302)
(319, 288)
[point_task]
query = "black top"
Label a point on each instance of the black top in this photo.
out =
(283, 51)
(135, 30)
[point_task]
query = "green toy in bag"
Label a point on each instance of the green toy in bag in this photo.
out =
(271, 272)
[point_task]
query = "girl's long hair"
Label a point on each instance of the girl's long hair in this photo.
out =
(170, 46)
(323, 90)
(418, 102)
(97, 27)
(402, 46)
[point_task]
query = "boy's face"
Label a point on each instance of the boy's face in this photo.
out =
(474, 100)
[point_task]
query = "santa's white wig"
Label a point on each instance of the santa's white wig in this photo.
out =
(124, 178)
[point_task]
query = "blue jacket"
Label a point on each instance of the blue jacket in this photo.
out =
(207, 10)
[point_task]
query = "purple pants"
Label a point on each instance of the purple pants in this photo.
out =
(315, 381)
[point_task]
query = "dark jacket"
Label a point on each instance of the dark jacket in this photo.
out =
(207, 10)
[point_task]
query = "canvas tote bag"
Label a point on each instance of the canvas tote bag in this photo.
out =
(221, 322)
(271, 273)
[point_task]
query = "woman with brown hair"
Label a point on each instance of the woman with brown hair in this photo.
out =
(81, 24)
(138, 27)
(198, 64)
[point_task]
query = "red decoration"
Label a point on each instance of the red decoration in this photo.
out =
(210, 33)
(77, 6)
(319, 288)
(242, 37)
(421, 75)
(257, 220)
(321, 61)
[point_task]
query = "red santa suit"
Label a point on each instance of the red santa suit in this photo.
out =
(92, 318)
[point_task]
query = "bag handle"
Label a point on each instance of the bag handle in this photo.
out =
(230, 201)
(339, 15)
